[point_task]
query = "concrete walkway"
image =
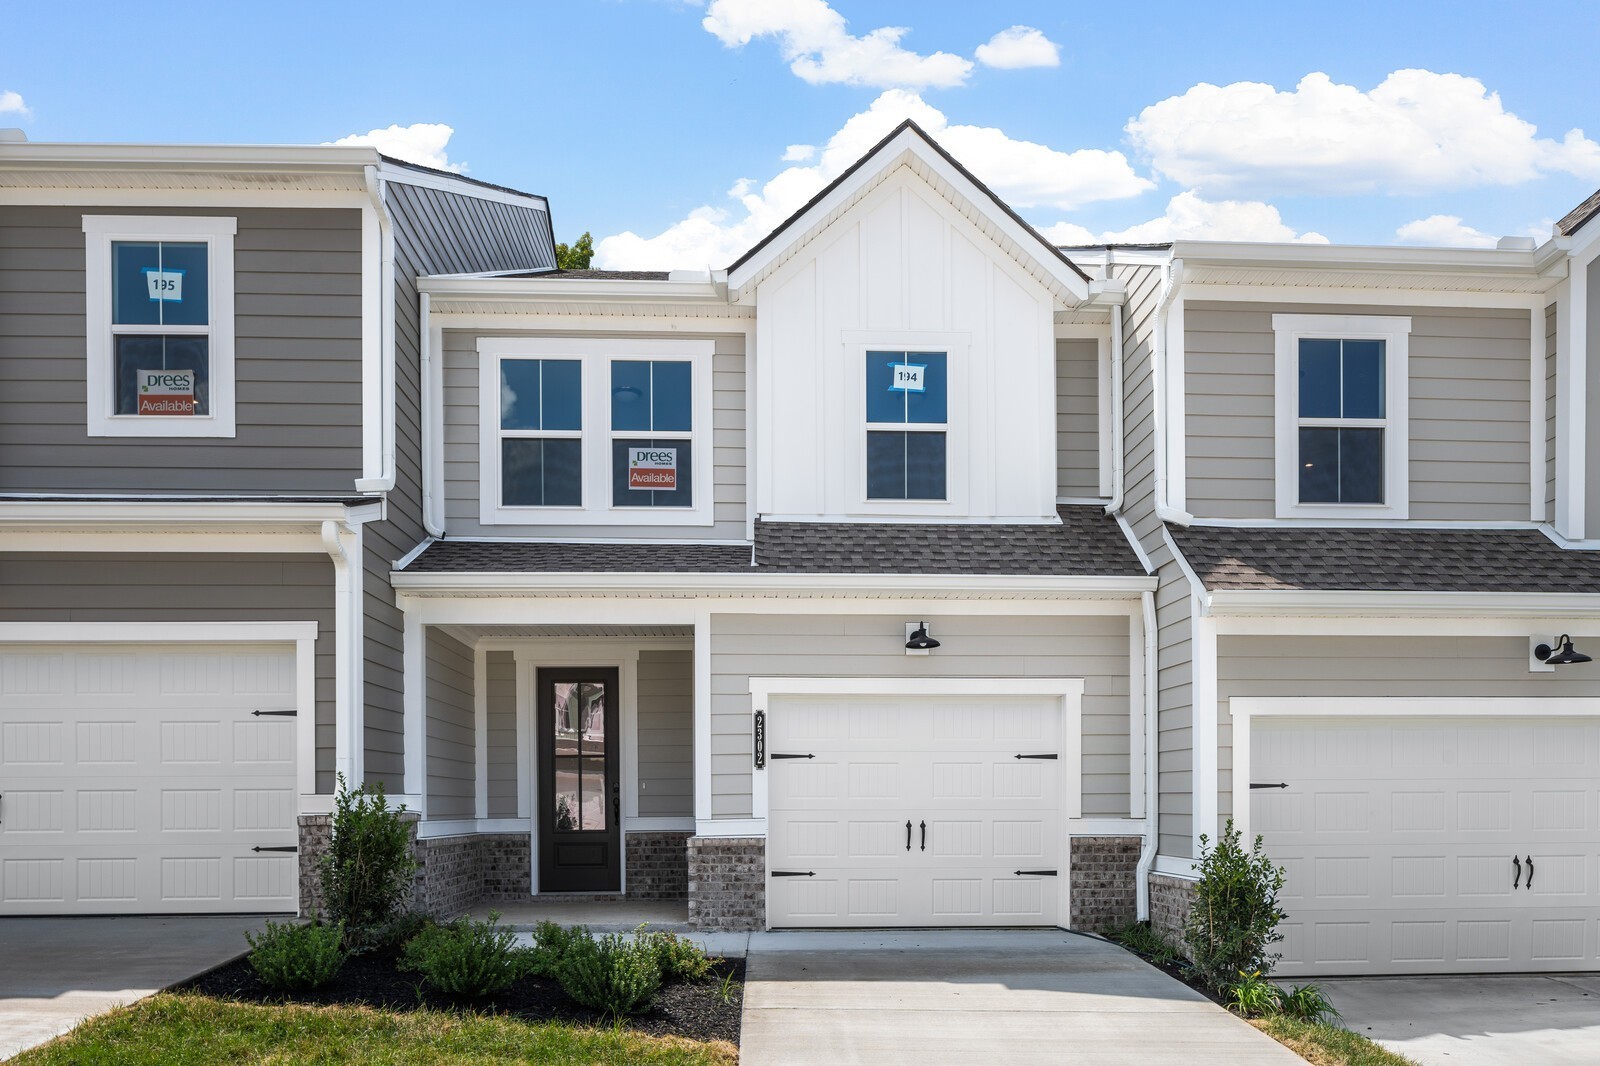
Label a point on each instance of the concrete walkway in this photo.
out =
(985, 997)
(55, 972)
(1550, 1019)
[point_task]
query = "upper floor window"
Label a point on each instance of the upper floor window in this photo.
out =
(1341, 416)
(908, 412)
(593, 431)
(159, 321)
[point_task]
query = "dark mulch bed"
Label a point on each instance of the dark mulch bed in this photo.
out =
(695, 1010)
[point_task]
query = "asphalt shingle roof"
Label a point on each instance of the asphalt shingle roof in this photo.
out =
(1086, 544)
(1579, 216)
(1386, 560)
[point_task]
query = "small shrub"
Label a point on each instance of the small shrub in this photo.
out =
(296, 958)
(400, 930)
(551, 943)
(1253, 996)
(679, 958)
(1142, 939)
(366, 875)
(615, 975)
(1308, 1003)
(467, 959)
(1235, 915)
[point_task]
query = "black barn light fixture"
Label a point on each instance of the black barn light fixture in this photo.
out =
(919, 639)
(1563, 654)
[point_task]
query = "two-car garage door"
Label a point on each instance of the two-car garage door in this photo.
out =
(147, 779)
(1432, 845)
(925, 811)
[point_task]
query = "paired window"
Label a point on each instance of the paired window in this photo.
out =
(160, 325)
(908, 416)
(1342, 447)
(590, 429)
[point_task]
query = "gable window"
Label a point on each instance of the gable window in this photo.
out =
(907, 412)
(1341, 415)
(541, 432)
(594, 431)
(159, 320)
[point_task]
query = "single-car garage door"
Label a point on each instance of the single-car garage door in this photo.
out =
(145, 779)
(917, 811)
(1432, 845)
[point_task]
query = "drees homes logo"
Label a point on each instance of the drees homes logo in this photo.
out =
(653, 468)
(166, 392)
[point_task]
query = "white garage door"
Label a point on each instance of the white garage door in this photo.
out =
(913, 812)
(1408, 842)
(138, 780)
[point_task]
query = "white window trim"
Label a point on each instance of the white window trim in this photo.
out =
(1288, 330)
(956, 346)
(596, 354)
(99, 233)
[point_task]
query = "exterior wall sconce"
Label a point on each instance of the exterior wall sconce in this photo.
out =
(1562, 653)
(918, 642)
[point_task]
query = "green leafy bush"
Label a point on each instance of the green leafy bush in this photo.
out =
(679, 958)
(1142, 939)
(1307, 1003)
(467, 959)
(551, 942)
(400, 930)
(294, 958)
(615, 975)
(1233, 922)
(367, 873)
(1253, 996)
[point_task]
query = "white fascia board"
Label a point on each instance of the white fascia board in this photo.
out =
(265, 157)
(569, 290)
(892, 155)
(1356, 257)
(755, 583)
(56, 513)
(1277, 603)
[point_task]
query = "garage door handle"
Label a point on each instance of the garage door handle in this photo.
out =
(908, 834)
(1530, 873)
(1515, 881)
(924, 836)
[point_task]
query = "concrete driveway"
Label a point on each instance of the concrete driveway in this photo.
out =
(1550, 1019)
(55, 972)
(1001, 996)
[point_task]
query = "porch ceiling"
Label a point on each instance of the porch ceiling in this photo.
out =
(515, 632)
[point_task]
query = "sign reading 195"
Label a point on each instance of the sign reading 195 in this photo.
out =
(164, 284)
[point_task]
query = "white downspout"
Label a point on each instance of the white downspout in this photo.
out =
(349, 701)
(1119, 449)
(1171, 282)
(432, 426)
(1147, 854)
(384, 481)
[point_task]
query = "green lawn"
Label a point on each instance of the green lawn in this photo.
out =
(179, 1030)
(1328, 1045)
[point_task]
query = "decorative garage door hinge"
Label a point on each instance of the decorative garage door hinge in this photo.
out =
(1046, 755)
(781, 755)
(1258, 784)
(760, 732)
(276, 714)
(794, 873)
(286, 847)
(1036, 873)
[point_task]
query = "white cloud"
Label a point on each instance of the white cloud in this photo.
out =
(421, 142)
(799, 153)
(1414, 132)
(1022, 173)
(1018, 47)
(1446, 231)
(813, 39)
(1190, 217)
(11, 104)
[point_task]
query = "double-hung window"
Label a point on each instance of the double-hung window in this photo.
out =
(594, 431)
(159, 320)
(1342, 441)
(907, 409)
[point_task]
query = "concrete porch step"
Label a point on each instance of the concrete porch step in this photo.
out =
(601, 915)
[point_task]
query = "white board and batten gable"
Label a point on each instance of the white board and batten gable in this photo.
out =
(906, 253)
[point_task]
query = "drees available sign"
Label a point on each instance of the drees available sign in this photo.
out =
(166, 392)
(653, 468)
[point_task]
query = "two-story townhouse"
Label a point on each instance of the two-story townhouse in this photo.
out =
(1360, 473)
(209, 381)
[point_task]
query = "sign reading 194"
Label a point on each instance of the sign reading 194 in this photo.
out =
(165, 285)
(909, 377)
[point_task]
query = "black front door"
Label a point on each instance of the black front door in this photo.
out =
(579, 795)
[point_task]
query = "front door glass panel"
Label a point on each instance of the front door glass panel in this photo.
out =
(582, 784)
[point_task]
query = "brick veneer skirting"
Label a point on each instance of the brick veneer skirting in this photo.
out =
(658, 865)
(727, 883)
(1170, 899)
(1103, 892)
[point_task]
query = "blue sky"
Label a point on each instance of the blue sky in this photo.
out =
(663, 125)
